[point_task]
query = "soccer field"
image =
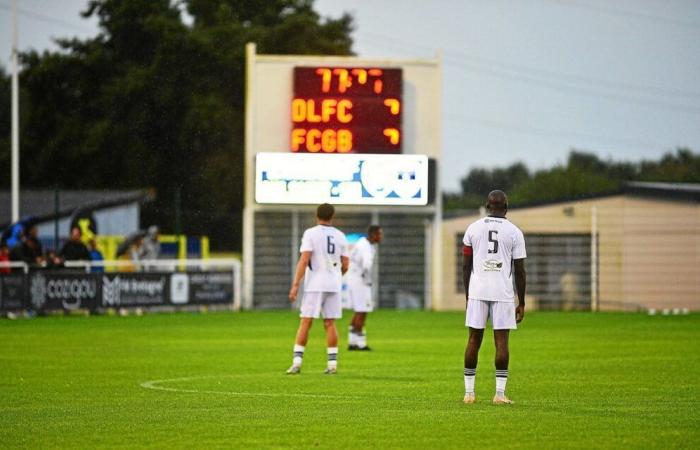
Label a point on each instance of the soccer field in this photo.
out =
(217, 380)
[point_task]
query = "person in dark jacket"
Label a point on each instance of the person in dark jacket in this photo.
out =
(29, 250)
(74, 249)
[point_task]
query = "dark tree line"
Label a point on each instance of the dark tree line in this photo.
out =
(152, 101)
(583, 174)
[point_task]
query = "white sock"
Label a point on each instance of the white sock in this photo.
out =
(501, 380)
(352, 339)
(298, 355)
(362, 339)
(469, 377)
(332, 357)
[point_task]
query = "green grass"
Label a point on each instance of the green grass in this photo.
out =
(579, 381)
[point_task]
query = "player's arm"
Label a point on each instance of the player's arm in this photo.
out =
(467, 262)
(299, 274)
(520, 282)
(344, 264)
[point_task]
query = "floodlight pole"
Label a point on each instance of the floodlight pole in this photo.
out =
(15, 118)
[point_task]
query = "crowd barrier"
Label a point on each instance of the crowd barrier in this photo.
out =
(84, 285)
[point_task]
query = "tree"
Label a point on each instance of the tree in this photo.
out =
(584, 174)
(153, 102)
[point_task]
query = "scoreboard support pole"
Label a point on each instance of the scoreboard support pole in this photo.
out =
(248, 194)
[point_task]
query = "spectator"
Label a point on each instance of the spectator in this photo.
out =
(136, 249)
(74, 249)
(95, 256)
(4, 257)
(151, 245)
(29, 250)
(53, 261)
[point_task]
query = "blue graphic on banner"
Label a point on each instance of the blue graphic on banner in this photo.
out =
(341, 179)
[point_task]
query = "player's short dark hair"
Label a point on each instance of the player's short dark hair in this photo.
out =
(325, 211)
(373, 229)
(497, 200)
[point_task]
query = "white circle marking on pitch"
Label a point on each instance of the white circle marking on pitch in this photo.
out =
(156, 386)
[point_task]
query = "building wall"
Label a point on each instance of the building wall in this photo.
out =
(648, 250)
(661, 254)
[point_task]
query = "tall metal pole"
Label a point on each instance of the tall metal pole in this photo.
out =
(15, 118)
(594, 259)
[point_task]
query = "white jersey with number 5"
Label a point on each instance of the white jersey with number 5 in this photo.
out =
(495, 243)
(326, 244)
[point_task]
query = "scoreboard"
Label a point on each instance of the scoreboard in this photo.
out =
(346, 110)
(360, 133)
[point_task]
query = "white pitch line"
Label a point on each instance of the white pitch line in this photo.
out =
(155, 385)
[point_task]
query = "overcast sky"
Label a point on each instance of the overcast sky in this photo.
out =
(524, 80)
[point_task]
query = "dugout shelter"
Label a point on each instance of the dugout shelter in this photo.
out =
(361, 134)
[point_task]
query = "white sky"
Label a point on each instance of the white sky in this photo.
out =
(524, 80)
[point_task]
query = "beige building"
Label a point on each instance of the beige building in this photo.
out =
(639, 249)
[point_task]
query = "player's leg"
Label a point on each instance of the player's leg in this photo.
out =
(500, 338)
(310, 309)
(352, 334)
(477, 314)
(300, 341)
(354, 300)
(332, 309)
(331, 345)
(302, 336)
(503, 321)
(359, 320)
(362, 304)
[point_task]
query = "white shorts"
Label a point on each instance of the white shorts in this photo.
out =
(360, 296)
(502, 315)
(315, 304)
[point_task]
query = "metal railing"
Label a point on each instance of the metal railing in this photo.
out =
(15, 265)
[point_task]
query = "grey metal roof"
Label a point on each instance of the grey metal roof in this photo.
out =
(675, 187)
(685, 192)
(40, 203)
(667, 191)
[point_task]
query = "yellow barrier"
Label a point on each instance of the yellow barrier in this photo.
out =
(108, 244)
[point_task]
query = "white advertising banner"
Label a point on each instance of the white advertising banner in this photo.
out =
(341, 179)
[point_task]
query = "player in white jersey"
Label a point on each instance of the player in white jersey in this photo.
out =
(322, 263)
(359, 280)
(494, 254)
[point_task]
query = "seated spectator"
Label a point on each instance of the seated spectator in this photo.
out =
(74, 249)
(95, 255)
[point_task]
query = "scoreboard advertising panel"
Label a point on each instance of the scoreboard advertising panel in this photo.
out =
(341, 179)
(346, 143)
(346, 110)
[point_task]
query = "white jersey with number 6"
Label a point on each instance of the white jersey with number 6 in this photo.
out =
(326, 244)
(495, 243)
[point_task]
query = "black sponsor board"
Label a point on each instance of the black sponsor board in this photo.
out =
(211, 287)
(134, 289)
(70, 290)
(12, 289)
(51, 290)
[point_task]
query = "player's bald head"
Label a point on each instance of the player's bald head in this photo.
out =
(497, 202)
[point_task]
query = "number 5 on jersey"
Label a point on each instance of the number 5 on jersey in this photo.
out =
(493, 239)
